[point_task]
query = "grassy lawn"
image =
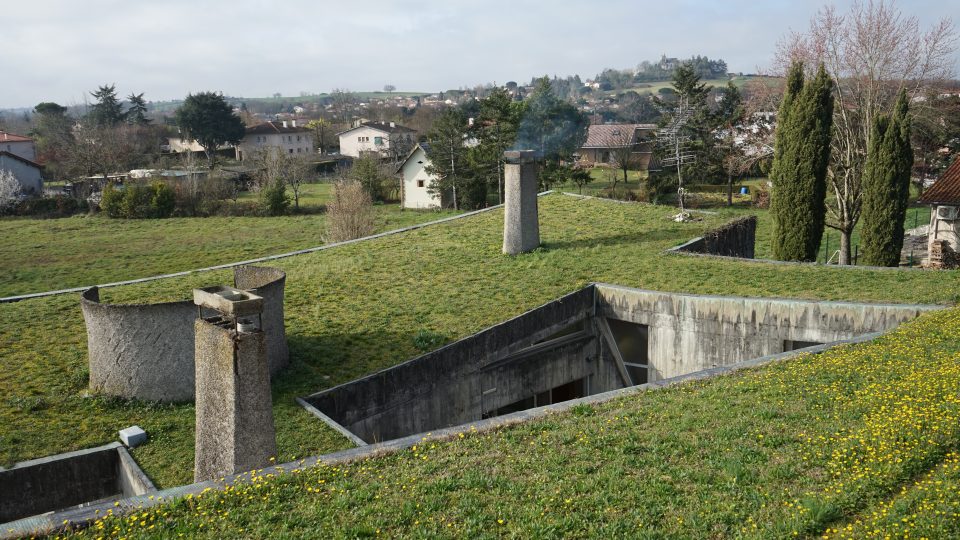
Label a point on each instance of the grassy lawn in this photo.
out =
(685, 462)
(45, 254)
(858, 442)
(311, 195)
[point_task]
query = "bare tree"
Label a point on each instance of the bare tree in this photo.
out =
(350, 212)
(871, 53)
(293, 170)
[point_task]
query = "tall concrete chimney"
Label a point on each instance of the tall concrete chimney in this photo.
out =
(294, 123)
(284, 123)
(234, 409)
(521, 226)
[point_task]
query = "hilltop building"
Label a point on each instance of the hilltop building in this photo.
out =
(284, 136)
(384, 138)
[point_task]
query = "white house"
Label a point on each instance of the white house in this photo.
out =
(416, 182)
(27, 172)
(284, 136)
(18, 145)
(943, 240)
(384, 138)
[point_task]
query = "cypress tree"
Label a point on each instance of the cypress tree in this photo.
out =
(886, 186)
(799, 171)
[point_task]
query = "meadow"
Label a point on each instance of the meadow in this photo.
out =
(714, 458)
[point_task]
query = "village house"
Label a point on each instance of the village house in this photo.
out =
(384, 138)
(416, 182)
(18, 154)
(284, 136)
(943, 240)
(604, 140)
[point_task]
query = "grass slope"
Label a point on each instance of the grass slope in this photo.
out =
(787, 450)
(357, 308)
(40, 255)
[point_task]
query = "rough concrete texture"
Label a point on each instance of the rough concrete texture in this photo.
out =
(521, 226)
(734, 239)
(234, 428)
(689, 333)
(462, 381)
(145, 351)
(64, 480)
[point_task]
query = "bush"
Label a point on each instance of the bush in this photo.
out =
(111, 200)
(349, 212)
(274, 200)
(164, 200)
(138, 201)
(51, 207)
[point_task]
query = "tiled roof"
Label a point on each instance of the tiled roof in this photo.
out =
(10, 137)
(946, 190)
(270, 128)
(613, 135)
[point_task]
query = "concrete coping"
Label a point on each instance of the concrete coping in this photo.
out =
(84, 517)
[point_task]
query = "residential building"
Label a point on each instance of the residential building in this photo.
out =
(605, 140)
(284, 136)
(416, 182)
(943, 238)
(18, 145)
(27, 172)
(388, 139)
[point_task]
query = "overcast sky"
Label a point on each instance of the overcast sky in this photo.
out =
(56, 50)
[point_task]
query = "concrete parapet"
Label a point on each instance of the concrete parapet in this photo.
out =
(145, 351)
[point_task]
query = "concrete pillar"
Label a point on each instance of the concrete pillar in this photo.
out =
(521, 227)
(235, 431)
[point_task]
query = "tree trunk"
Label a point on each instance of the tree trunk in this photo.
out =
(845, 235)
(729, 188)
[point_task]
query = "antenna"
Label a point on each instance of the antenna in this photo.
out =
(671, 139)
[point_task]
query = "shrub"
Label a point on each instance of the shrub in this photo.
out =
(52, 207)
(274, 200)
(349, 212)
(111, 200)
(164, 200)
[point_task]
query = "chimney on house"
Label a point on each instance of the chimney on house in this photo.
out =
(284, 123)
(521, 226)
(470, 121)
(294, 123)
(393, 124)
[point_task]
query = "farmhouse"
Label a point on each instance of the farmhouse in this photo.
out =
(18, 145)
(604, 141)
(285, 136)
(384, 138)
(416, 181)
(943, 241)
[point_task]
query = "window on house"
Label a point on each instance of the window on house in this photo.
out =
(298, 138)
(378, 141)
(420, 183)
(298, 150)
(291, 150)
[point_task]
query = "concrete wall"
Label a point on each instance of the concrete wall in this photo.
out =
(146, 351)
(57, 482)
(688, 333)
(735, 239)
(460, 382)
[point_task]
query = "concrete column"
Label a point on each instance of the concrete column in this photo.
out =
(521, 227)
(235, 431)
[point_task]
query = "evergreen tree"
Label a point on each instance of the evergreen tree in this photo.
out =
(448, 155)
(886, 186)
(137, 113)
(802, 153)
(550, 125)
(107, 111)
(497, 126)
(208, 119)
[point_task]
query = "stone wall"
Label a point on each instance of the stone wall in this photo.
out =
(145, 351)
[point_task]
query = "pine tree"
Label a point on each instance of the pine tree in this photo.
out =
(802, 153)
(137, 113)
(107, 111)
(886, 186)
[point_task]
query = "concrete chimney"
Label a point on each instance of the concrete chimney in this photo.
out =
(234, 409)
(521, 227)
(284, 123)
(294, 123)
(393, 124)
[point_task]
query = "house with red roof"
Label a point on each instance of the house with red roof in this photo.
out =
(944, 199)
(605, 142)
(285, 137)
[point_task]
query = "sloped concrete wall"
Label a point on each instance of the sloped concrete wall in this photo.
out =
(145, 351)
(689, 333)
(460, 382)
(735, 239)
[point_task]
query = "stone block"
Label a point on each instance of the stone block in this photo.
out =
(133, 436)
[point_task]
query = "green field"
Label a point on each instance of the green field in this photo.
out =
(684, 462)
(40, 255)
